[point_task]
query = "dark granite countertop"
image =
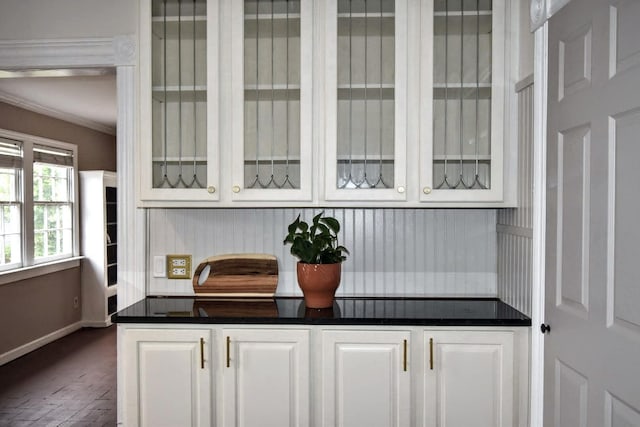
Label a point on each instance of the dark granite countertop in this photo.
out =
(345, 311)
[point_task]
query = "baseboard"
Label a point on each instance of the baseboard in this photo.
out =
(35, 344)
(96, 323)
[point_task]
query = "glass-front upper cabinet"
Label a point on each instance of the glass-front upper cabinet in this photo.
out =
(271, 100)
(365, 99)
(462, 118)
(179, 100)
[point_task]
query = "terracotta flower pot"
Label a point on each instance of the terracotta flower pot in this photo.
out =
(319, 283)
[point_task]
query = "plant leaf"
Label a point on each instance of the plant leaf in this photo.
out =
(333, 224)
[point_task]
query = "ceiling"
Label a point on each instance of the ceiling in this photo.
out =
(86, 97)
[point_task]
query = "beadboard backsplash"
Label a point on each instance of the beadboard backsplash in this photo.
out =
(433, 252)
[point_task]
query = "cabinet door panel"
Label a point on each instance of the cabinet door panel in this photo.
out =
(363, 379)
(271, 84)
(179, 100)
(463, 98)
(471, 382)
(157, 396)
(267, 380)
(366, 45)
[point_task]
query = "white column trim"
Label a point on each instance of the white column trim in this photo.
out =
(539, 223)
(120, 52)
(541, 10)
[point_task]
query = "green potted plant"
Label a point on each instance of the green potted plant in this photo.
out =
(319, 258)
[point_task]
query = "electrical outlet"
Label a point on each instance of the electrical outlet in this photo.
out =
(179, 266)
(76, 303)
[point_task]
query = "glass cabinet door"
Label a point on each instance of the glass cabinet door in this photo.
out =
(181, 153)
(271, 99)
(366, 72)
(464, 153)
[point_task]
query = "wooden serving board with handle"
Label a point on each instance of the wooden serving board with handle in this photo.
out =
(237, 275)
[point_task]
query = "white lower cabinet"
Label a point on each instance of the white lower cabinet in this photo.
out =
(265, 378)
(365, 378)
(167, 377)
(323, 375)
(469, 379)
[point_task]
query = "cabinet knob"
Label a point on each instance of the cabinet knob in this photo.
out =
(211, 189)
(401, 189)
(544, 328)
(426, 190)
(235, 189)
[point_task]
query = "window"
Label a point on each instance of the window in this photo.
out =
(37, 200)
(11, 208)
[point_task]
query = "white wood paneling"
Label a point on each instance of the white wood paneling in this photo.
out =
(393, 251)
(515, 226)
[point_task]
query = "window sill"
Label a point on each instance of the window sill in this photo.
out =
(24, 273)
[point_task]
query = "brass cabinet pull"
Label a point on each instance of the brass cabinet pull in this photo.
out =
(201, 353)
(431, 353)
(228, 348)
(404, 357)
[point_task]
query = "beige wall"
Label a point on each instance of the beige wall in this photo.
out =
(33, 308)
(96, 150)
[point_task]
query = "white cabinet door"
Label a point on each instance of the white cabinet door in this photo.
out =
(465, 88)
(468, 379)
(179, 156)
(365, 378)
(167, 377)
(265, 378)
(270, 99)
(365, 99)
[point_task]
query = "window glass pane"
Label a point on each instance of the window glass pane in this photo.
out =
(50, 183)
(10, 238)
(52, 223)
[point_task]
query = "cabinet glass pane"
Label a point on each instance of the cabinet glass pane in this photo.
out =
(366, 98)
(462, 94)
(179, 97)
(272, 94)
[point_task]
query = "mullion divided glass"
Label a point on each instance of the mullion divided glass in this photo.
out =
(365, 105)
(272, 94)
(179, 93)
(462, 94)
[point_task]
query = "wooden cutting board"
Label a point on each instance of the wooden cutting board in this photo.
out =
(237, 275)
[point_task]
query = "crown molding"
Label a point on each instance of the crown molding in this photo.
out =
(88, 52)
(542, 10)
(52, 112)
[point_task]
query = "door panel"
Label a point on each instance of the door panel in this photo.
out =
(592, 377)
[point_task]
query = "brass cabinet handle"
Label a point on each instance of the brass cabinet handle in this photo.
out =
(201, 353)
(228, 348)
(404, 356)
(431, 353)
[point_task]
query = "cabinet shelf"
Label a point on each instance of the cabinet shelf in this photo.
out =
(465, 158)
(185, 93)
(269, 17)
(186, 159)
(368, 15)
(468, 90)
(279, 160)
(184, 24)
(455, 24)
(369, 92)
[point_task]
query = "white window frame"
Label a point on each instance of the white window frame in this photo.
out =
(29, 267)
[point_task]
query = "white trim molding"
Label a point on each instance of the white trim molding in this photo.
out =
(541, 10)
(37, 343)
(61, 53)
(120, 52)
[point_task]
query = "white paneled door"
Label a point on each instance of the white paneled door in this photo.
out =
(592, 352)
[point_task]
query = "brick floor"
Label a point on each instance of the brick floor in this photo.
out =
(70, 382)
